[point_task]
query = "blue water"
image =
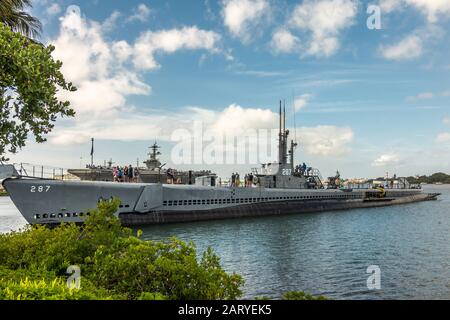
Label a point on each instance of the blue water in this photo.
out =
(326, 253)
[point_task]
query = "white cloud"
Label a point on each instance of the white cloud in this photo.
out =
(300, 102)
(323, 21)
(111, 22)
(122, 50)
(234, 119)
(387, 160)
(443, 137)
(425, 95)
(431, 9)
(141, 13)
(408, 48)
(90, 62)
(421, 96)
(388, 6)
(241, 16)
(325, 140)
(169, 41)
(283, 41)
(53, 9)
(413, 46)
(68, 138)
(106, 73)
(428, 95)
(88, 57)
(446, 120)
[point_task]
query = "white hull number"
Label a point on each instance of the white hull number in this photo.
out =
(39, 188)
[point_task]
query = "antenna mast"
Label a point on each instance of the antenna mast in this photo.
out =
(295, 124)
(280, 141)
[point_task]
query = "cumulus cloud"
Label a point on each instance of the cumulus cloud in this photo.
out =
(283, 41)
(326, 140)
(413, 45)
(431, 9)
(443, 137)
(106, 73)
(111, 22)
(387, 160)
(91, 63)
(242, 16)
(408, 48)
(235, 118)
(322, 22)
(169, 41)
(390, 5)
(301, 101)
(140, 13)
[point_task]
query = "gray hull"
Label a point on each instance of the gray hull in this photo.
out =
(262, 209)
(53, 201)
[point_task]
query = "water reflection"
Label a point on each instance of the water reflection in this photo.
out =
(328, 253)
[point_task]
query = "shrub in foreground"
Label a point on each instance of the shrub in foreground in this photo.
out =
(300, 295)
(114, 264)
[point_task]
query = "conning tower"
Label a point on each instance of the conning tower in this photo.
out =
(284, 173)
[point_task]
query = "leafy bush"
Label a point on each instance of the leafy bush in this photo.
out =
(26, 284)
(30, 83)
(171, 269)
(114, 264)
(300, 295)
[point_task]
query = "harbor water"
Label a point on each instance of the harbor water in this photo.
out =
(324, 253)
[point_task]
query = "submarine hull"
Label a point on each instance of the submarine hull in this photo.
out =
(263, 209)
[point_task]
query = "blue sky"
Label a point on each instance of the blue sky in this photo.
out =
(368, 101)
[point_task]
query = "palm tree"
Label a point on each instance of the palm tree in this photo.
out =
(13, 15)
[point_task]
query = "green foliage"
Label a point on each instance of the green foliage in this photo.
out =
(13, 14)
(438, 177)
(35, 284)
(300, 295)
(114, 264)
(151, 296)
(132, 266)
(30, 80)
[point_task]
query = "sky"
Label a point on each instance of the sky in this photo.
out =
(364, 101)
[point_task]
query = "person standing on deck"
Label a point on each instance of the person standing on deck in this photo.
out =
(115, 174)
(130, 173)
(119, 174)
(125, 174)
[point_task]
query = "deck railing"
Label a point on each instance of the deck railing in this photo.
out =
(42, 172)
